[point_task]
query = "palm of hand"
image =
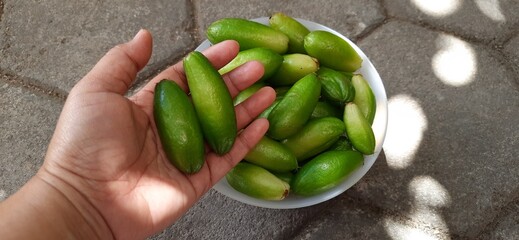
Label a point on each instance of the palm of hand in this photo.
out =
(106, 146)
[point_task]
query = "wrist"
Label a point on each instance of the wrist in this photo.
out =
(48, 208)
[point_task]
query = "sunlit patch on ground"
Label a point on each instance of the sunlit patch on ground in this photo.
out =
(491, 9)
(406, 126)
(455, 62)
(437, 8)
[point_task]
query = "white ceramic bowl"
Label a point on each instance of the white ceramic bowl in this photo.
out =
(379, 128)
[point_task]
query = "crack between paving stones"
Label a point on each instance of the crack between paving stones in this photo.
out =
(15, 80)
(502, 213)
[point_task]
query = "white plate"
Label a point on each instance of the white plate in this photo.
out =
(379, 128)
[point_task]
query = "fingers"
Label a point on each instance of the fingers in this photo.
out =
(253, 106)
(243, 77)
(116, 71)
(249, 137)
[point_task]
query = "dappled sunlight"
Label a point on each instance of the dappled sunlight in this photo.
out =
(407, 123)
(428, 195)
(491, 9)
(437, 8)
(455, 62)
(400, 231)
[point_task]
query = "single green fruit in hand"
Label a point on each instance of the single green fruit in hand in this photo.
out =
(178, 127)
(315, 137)
(295, 31)
(268, 58)
(294, 67)
(336, 87)
(212, 101)
(332, 51)
(248, 34)
(247, 93)
(295, 108)
(257, 182)
(325, 109)
(364, 97)
(358, 129)
(272, 155)
(343, 144)
(325, 171)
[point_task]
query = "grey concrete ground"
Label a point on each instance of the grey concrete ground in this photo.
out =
(449, 166)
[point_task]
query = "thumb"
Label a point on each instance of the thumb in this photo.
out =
(116, 71)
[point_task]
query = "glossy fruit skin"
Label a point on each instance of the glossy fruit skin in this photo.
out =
(332, 51)
(247, 93)
(212, 101)
(270, 60)
(364, 97)
(272, 155)
(294, 30)
(266, 112)
(178, 127)
(295, 108)
(294, 67)
(358, 129)
(325, 171)
(248, 34)
(257, 182)
(336, 87)
(315, 137)
(325, 109)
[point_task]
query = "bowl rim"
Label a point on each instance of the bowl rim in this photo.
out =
(379, 128)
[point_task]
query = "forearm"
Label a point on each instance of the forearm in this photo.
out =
(40, 211)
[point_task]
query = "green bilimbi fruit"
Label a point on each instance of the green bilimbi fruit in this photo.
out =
(266, 112)
(315, 137)
(325, 171)
(257, 182)
(343, 144)
(247, 93)
(364, 97)
(295, 31)
(358, 129)
(178, 127)
(294, 67)
(336, 87)
(295, 108)
(332, 51)
(212, 101)
(270, 60)
(281, 91)
(285, 176)
(248, 34)
(325, 109)
(272, 155)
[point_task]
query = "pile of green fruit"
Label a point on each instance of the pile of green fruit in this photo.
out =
(320, 123)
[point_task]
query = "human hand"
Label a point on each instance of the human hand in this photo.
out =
(106, 148)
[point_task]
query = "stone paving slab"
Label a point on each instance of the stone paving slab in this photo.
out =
(512, 50)
(452, 134)
(216, 216)
(507, 227)
(54, 43)
(349, 17)
(27, 121)
(351, 219)
(490, 21)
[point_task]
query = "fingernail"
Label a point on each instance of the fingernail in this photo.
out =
(138, 34)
